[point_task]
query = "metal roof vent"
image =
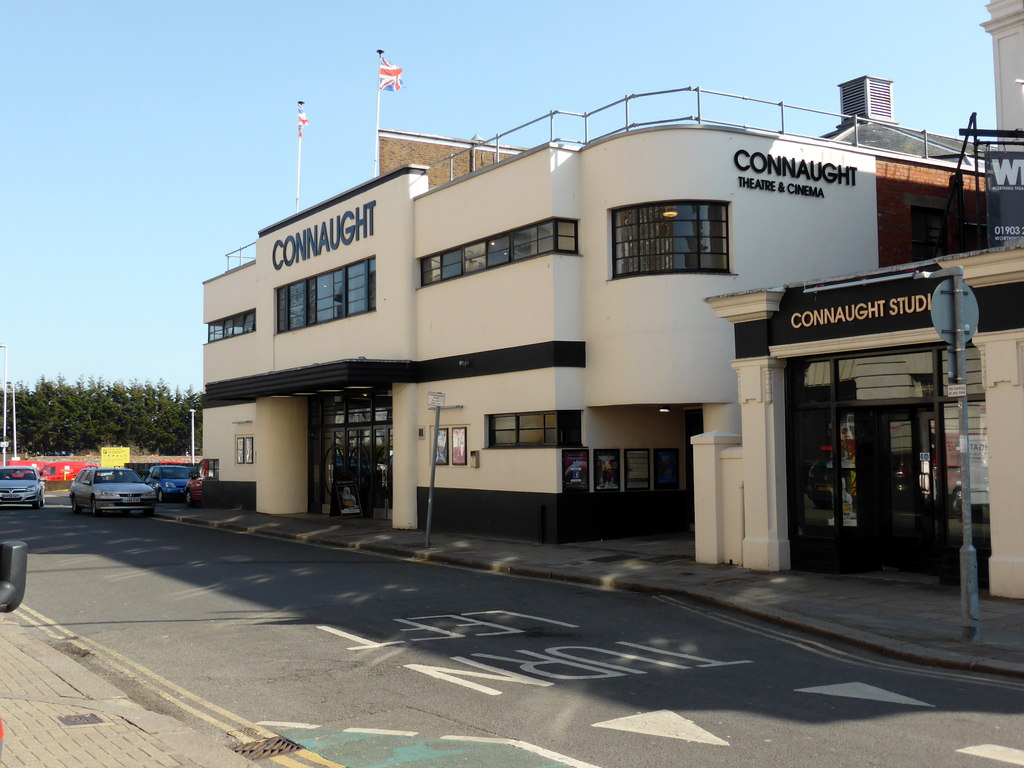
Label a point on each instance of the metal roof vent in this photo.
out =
(869, 97)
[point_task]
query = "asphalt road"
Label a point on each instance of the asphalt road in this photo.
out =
(229, 631)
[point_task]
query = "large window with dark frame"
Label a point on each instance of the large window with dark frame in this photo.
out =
(676, 236)
(351, 290)
(236, 325)
(926, 233)
(533, 430)
(552, 236)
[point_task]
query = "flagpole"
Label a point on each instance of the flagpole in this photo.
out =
(298, 175)
(376, 133)
(298, 178)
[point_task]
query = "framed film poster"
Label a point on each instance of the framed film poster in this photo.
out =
(459, 446)
(666, 469)
(575, 471)
(638, 469)
(607, 471)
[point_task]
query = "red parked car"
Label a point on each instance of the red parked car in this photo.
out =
(194, 490)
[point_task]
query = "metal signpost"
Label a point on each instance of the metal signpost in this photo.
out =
(435, 400)
(955, 317)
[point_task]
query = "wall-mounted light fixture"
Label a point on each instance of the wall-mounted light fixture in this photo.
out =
(664, 409)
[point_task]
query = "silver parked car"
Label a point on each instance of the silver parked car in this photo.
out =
(21, 486)
(111, 489)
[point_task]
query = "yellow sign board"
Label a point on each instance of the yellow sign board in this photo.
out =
(115, 456)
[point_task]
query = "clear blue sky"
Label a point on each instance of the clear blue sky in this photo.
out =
(143, 141)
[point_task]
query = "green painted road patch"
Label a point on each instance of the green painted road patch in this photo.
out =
(376, 750)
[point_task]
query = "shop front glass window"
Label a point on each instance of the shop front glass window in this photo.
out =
(815, 474)
(886, 377)
(977, 442)
(813, 382)
(972, 367)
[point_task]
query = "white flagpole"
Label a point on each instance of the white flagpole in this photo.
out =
(298, 177)
(376, 133)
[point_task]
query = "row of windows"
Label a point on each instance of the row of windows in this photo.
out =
(243, 322)
(556, 235)
(351, 290)
(662, 237)
(683, 236)
(508, 430)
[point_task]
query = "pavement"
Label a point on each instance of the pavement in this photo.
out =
(49, 703)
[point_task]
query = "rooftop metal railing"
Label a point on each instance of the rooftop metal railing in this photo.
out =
(238, 257)
(786, 120)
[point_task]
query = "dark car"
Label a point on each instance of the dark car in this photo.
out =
(168, 480)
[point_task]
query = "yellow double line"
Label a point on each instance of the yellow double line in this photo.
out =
(233, 725)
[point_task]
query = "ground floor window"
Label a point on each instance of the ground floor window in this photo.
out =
(530, 430)
(244, 453)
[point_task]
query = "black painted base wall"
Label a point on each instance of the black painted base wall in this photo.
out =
(551, 518)
(229, 494)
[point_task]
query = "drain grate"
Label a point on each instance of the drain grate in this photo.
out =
(89, 719)
(257, 750)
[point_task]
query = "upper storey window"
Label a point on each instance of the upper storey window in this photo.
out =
(554, 235)
(680, 236)
(351, 290)
(236, 325)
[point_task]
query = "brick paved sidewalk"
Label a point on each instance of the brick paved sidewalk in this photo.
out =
(57, 714)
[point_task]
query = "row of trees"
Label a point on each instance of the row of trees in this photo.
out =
(58, 417)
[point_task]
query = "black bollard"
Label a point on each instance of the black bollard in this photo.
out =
(13, 568)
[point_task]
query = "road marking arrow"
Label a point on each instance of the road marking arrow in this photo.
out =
(663, 723)
(996, 752)
(864, 691)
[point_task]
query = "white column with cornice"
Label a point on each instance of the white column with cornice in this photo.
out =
(1007, 29)
(1002, 359)
(763, 418)
(763, 409)
(1003, 356)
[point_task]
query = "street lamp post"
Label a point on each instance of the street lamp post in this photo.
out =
(14, 420)
(3, 437)
(192, 444)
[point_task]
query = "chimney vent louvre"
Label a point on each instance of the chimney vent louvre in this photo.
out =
(869, 97)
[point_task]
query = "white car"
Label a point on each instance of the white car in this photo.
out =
(22, 487)
(111, 489)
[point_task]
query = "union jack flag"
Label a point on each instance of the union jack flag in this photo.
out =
(390, 76)
(303, 120)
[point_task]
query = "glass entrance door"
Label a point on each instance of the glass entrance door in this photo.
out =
(908, 491)
(351, 441)
(888, 489)
(348, 472)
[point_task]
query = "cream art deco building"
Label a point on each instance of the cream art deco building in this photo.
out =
(556, 300)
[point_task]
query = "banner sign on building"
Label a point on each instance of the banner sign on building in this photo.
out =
(1004, 197)
(870, 307)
